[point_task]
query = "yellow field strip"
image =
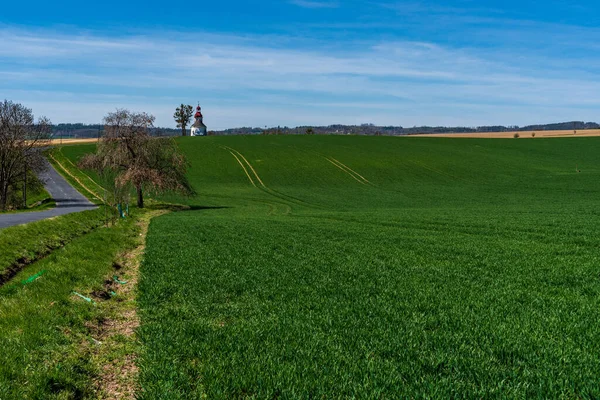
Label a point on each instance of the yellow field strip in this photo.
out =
(76, 179)
(244, 168)
(510, 134)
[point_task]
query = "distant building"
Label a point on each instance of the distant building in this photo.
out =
(198, 129)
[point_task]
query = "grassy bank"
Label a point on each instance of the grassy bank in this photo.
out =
(87, 183)
(23, 244)
(52, 340)
(37, 200)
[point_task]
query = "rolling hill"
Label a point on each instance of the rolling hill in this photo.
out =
(333, 266)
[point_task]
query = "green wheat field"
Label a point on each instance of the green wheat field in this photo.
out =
(375, 267)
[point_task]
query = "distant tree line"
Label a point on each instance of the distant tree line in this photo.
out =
(375, 130)
(96, 130)
(89, 131)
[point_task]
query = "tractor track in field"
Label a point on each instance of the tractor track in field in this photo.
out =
(355, 175)
(250, 171)
(244, 168)
(437, 171)
(338, 164)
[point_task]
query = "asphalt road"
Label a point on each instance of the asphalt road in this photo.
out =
(68, 200)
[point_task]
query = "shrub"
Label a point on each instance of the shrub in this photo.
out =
(516, 135)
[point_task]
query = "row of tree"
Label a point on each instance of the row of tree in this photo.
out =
(22, 140)
(128, 156)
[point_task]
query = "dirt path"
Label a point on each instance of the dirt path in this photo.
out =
(59, 142)
(116, 356)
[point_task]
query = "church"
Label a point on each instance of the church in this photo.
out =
(198, 128)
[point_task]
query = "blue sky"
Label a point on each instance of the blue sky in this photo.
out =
(306, 62)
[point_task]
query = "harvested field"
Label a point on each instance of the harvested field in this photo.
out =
(58, 142)
(510, 135)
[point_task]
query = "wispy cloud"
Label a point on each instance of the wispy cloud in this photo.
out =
(253, 81)
(315, 4)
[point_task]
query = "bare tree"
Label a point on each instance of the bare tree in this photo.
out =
(136, 158)
(21, 145)
(183, 116)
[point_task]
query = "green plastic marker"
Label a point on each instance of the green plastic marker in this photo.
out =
(34, 277)
(84, 298)
(116, 278)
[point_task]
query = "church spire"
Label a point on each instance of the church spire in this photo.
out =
(198, 129)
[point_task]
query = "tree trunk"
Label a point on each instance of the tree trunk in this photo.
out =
(140, 197)
(183, 131)
(25, 187)
(3, 197)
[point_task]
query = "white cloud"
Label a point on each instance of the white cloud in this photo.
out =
(255, 81)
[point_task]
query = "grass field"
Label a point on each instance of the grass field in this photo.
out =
(376, 267)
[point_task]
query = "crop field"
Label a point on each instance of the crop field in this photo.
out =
(375, 267)
(522, 134)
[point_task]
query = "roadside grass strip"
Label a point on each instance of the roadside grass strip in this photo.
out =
(47, 326)
(77, 177)
(74, 167)
(36, 202)
(24, 244)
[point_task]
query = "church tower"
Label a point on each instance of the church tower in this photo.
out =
(198, 129)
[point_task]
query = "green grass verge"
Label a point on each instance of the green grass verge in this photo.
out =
(87, 183)
(46, 332)
(39, 200)
(23, 244)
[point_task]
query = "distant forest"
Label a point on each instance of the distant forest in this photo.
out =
(95, 130)
(81, 131)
